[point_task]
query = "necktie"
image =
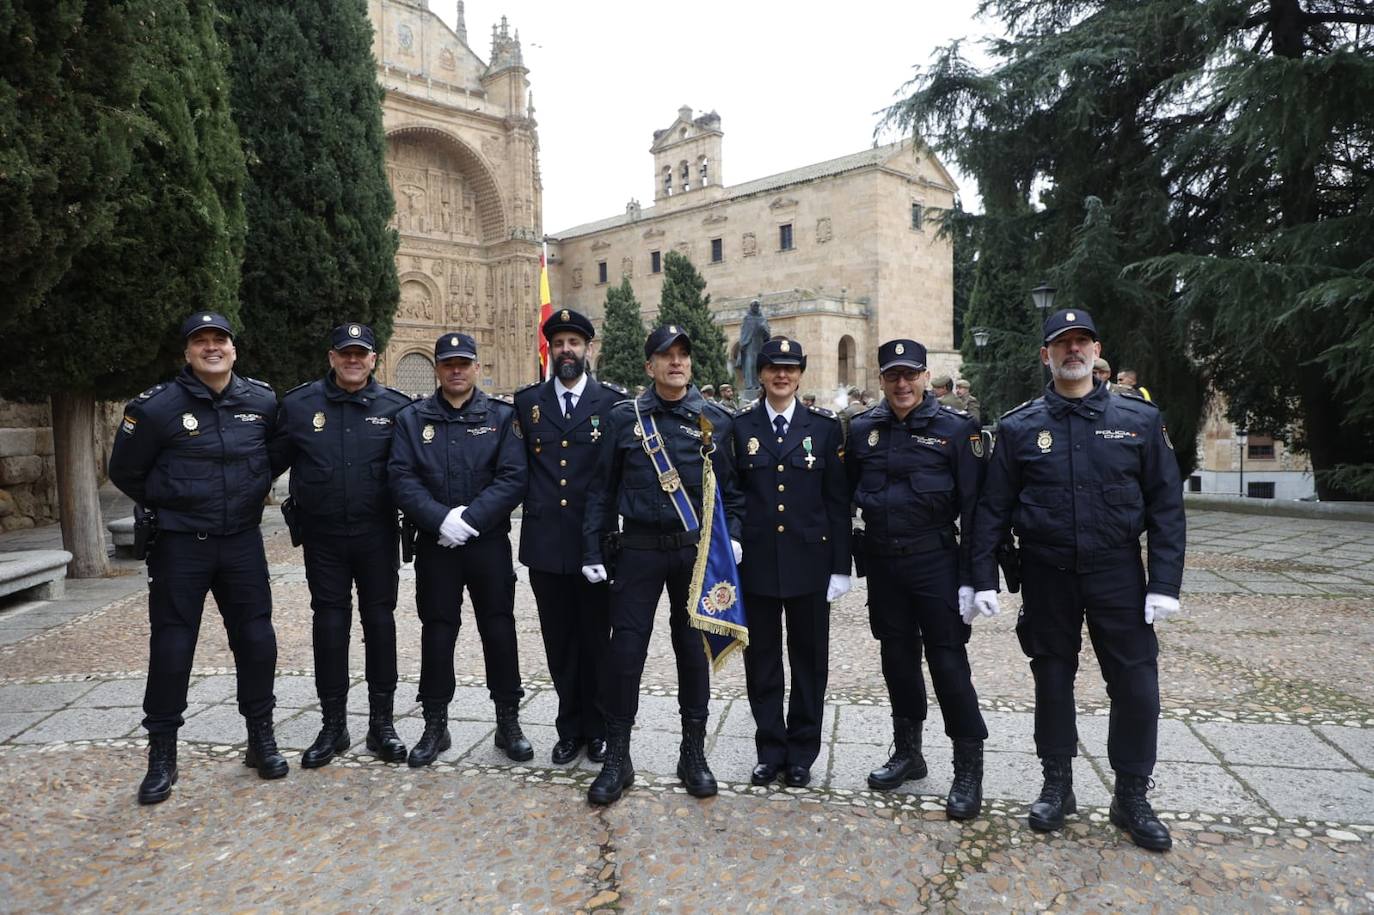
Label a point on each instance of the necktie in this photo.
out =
(780, 424)
(568, 405)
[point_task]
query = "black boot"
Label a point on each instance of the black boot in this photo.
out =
(262, 749)
(618, 771)
(509, 737)
(1056, 799)
(691, 761)
(162, 769)
(382, 738)
(907, 763)
(333, 737)
(435, 739)
(1133, 813)
(965, 799)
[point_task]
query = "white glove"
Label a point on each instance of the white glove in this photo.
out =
(985, 602)
(1158, 608)
(839, 586)
(446, 541)
(467, 528)
(594, 574)
(451, 529)
(739, 551)
(966, 609)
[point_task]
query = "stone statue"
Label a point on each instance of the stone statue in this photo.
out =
(753, 334)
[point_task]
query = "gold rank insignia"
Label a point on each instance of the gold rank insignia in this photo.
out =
(534, 413)
(427, 434)
(189, 422)
(873, 438)
(752, 445)
(318, 421)
(1044, 441)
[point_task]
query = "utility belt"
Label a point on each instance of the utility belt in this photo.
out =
(923, 542)
(648, 537)
(1066, 557)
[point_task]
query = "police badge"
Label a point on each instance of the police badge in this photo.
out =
(189, 422)
(427, 434)
(534, 413)
(318, 421)
(873, 438)
(1044, 441)
(752, 445)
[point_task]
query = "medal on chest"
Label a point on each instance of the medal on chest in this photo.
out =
(596, 428)
(810, 458)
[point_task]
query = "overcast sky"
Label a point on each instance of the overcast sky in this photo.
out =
(791, 87)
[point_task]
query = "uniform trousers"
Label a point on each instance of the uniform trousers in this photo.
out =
(1050, 630)
(913, 604)
(332, 564)
(574, 617)
(797, 741)
(182, 568)
(484, 567)
(640, 578)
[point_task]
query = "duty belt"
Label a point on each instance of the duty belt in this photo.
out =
(924, 542)
(1066, 557)
(666, 541)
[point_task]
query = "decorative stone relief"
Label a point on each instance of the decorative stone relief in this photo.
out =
(600, 245)
(684, 248)
(492, 147)
(577, 277)
(416, 304)
(446, 59)
(715, 219)
(653, 232)
(782, 203)
(823, 230)
(627, 266)
(749, 243)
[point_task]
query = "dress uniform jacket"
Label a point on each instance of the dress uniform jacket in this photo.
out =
(198, 459)
(562, 456)
(1080, 481)
(796, 521)
(442, 458)
(336, 444)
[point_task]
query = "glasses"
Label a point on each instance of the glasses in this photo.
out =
(892, 376)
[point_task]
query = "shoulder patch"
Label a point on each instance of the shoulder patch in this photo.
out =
(151, 392)
(822, 411)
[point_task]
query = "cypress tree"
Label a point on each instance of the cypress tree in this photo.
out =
(319, 250)
(683, 304)
(622, 338)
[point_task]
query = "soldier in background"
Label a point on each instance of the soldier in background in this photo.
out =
(963, 391)
(1102, 371)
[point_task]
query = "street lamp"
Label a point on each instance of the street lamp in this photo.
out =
(1241, 433)
(980, 339)
(1043, 297)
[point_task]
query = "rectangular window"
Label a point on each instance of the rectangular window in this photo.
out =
(601, 271)
(1195, 483)
(655, 262)
(1260, 448)
(918, 216)
(717, 251)
(1259, 490)
(785, 237)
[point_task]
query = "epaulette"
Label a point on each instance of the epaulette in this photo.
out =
(506, 399)
(822, 411)
(614, 387)
(261, 384)
(151, 393)
(524, 388)
(956, 410)
(1135, 396)
(398, 392)
(1019, 407)
(303, 384)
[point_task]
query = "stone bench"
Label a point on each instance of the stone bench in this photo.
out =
(39, 574)
(122, 533)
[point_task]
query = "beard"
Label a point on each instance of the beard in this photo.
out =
(1071, 371)
(569, 368)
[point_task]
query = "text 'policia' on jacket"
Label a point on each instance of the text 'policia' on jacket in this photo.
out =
(198, 460)
(336, 444)
(641, 501)
(1081, 481)
(442, 458)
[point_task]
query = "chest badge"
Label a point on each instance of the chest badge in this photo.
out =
(596, 428)
(189, 422)
(873, 438)
(639, 431)
(752, 445)
(810, 458)
(427, 434)
(1044, 441)
(534, 413)
(318, 421)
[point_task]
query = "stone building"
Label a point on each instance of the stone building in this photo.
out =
(463, 162)
(841, 254)
(1232, 461)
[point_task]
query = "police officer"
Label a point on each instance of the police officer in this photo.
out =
(915, 468)
(796, 549)
(656, 550)
(334, 435)
(194, 452)
(565, 423)
(457, 470)
(1079, 473)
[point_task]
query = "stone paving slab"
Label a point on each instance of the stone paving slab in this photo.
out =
(1211, 789)
(1272, 745)
(1314, 793)
(83, 724)
(12, 723)
(24, 697)
(1357, 742)
(1177, 742)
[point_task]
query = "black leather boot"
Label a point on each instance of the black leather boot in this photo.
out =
(509, 737)
(1133, 813)
(965, 799)
(333, 737)
(618, 771)
(907, 763)
(691, 761)
(435, 739)
(262, 749)
(382, 738)
(162, 769)
(1056, 799)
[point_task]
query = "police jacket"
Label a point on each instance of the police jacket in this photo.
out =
(336, 444)
(626, 483)
(197, 459)
(442, 458)
(561, 454)
(796, 501)
(1079, 481)
(914, 478)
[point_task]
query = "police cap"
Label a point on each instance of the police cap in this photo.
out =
(895, 353)
(454, 345)
(663, 337)
(204, 320)
(567, 319)
(780, 351)
(346, 335)
(1068, 319)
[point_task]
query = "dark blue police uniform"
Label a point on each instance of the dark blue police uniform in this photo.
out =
(336, 444)
(796, 535)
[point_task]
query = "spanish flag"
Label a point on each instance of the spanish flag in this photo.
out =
(545, 312)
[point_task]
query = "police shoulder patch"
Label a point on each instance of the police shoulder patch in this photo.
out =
(151, 392)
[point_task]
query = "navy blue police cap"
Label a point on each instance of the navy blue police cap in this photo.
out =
(901, 353)
(781, 351)
(663, 337)
(346, 335)
(567, 319)
(1068, 319)
(454, 345)
(206, 320)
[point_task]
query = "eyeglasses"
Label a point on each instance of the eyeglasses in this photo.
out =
(892, 376)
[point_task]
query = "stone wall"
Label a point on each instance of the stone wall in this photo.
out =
(28, 472)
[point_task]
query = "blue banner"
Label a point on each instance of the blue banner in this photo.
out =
(718, 610)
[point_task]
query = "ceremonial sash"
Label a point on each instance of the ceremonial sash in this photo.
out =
(668, 478)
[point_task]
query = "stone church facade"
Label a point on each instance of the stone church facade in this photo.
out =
(463, 163)
(840, 254)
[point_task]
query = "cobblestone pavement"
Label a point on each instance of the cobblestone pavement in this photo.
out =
(1266, 770)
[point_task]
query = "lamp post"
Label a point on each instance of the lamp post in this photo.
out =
(1043, 297)
(1241, 433)
(981, 336)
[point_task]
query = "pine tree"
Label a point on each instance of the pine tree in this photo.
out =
(622, 338)
(319, 250)
(682, 303)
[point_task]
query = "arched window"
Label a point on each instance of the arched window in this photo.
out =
(686, 175)
(704, 170)
(846, 360)
(415, 374)
(667, 180)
